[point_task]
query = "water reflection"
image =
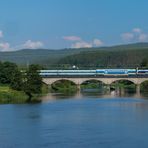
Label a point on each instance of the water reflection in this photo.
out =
(114, 122)
(95, 93)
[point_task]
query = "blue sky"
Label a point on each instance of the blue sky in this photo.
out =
(57, 24)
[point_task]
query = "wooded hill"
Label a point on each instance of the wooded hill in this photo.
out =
(38, 56)
(126, 56)
(131, 55)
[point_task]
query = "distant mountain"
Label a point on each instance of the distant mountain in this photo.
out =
(40, 56)
(122, 54)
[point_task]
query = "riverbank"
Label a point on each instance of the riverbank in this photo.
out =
(10, 96)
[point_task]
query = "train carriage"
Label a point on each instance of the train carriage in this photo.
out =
(116, 71)
(143, 72)
(97, 72)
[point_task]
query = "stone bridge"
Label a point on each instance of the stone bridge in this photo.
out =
(108, 81)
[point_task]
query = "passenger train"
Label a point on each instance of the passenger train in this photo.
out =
(97, 72)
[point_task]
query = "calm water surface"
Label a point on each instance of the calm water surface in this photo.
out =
(77, 121)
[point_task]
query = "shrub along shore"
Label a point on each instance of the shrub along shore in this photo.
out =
(18, 86)
(10, 96)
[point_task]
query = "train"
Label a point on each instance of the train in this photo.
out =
(97, 72)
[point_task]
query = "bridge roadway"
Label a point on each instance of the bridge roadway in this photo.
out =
(108, 80)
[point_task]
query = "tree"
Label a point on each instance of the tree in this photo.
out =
(1, 71)
(29, 81)
(16, 80)
(7, 71)
(144, 63)
(32, 82)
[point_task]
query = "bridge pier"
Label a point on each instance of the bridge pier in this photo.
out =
(49, 87)
(138, 89)
(78, 87)
(108, 87)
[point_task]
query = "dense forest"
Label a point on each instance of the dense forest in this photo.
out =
(132, 55)
(109, 59)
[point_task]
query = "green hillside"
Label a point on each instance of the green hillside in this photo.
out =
(38, 56)
(116, 56)
(124, 56)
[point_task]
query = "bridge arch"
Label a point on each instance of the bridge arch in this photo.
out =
(118, 80)
(143, 81)
(105, 80)
(97, 80)
(63, 84)
(70, 80)
(144, 85)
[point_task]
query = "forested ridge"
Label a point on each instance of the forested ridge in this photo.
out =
(131, 55)
(111, 59)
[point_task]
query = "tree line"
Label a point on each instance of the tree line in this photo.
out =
(28, 81)
(108, 59)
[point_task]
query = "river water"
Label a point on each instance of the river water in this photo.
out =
(82, 120)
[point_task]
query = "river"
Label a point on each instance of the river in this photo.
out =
(81, 120)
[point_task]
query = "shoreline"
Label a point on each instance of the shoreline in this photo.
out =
(9, 96)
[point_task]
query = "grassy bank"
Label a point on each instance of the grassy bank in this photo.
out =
(9, 96)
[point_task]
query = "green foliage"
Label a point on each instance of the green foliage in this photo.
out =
(32, 82)
(28, 82)
(107, 59)
(7, 69)
(144, 63)
(64, 86)
(116, 56)
(16, 80)
(39, 56)
(92, 84)
(45, 89)
(144, 86)
(10, 74)
(8, 95)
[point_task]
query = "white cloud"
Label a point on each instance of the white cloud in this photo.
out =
(32, 44)
(78, 42)
(5, 46)
(72, 38)
(97, 42)
(143, 37)
(82, 44)
(136, 35)
(127, 36)
(137, 30)
(1, 34)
